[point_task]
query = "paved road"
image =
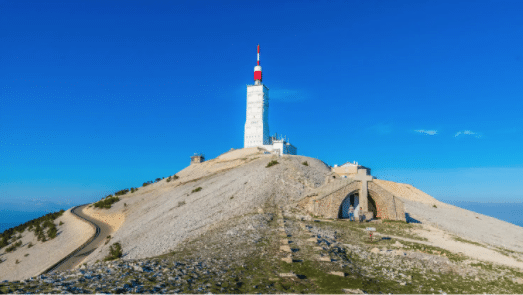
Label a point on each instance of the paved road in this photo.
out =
(73, 259)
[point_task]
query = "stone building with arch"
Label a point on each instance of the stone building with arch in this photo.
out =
(332, 200)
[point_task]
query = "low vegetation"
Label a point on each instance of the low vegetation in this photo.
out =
(40, 232)
(181, 203)
(170, 178)
(121, 192)
(13, 247)
(107, 202)
(30, 225)
(147, 183)
(197, 189)
(305, 163)
(272, 163)
(115, 252)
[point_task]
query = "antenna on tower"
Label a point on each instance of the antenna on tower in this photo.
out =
(258, 69)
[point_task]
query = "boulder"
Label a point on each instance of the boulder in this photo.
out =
(337, 273)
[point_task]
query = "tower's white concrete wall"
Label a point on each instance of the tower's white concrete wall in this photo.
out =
(257, 118)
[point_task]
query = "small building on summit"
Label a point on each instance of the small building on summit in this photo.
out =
(257, 118)
(197, 158)
(350, 169)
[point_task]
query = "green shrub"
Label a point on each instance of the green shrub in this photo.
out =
(434, 206)
(30, 245)
(17, 261)
(115, 252)
(197, 189)
(107, 202)
(26, 255)
(121, 192)
(272, 163)
(181, 203)
(157, 179)
(305, 163)
(47, 223)
(41, 237)
(147, 183)
(52, 231)
(61, 223)
(13, 247)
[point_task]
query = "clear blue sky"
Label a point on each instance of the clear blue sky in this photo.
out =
(97, 96)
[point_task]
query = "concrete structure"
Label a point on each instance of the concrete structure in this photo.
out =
(333, 200)
(352, 184)
(281, 146)
(257, 118)
(197, 158)
(350, 169)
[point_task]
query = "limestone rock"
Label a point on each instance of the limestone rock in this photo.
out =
(337, 273)
(285, 248)
(352, 291)
(288, 275)
(398, 244)
(375, 250)
(517, 281)
(287, 259)
(399, 253)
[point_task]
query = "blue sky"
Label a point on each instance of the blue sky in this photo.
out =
(97, 96)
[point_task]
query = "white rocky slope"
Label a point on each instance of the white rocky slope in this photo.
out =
(160, 216)
(460, 222)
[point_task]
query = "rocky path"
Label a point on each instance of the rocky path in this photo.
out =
(302, 242)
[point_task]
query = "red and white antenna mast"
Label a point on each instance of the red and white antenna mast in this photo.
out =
(258, 70)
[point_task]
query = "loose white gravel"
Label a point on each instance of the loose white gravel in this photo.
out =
(467, 224)
(162, 215)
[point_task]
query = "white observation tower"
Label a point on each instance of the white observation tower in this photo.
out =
(257, 119)
(257, 122)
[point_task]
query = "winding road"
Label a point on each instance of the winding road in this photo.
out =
(102, 230)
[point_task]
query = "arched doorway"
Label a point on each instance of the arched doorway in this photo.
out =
(351, 199)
